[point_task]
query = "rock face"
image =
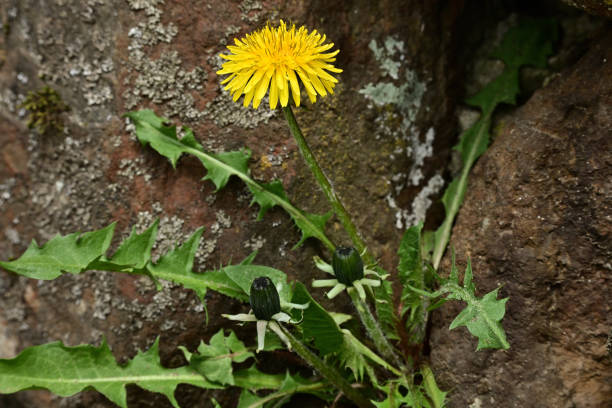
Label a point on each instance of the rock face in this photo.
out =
(386, 133)
(596, 7)
(536, 219)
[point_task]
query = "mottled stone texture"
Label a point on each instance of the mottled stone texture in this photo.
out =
(596, 7)
(105, 57)
(537, 220)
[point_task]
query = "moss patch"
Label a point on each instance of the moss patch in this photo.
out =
(45, 108)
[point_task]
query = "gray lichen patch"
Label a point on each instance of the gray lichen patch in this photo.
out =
(68, 45)
(405, 218)
(130, 168)
(171, 232)
(251, 11)
(225, 112)
(399, 101)
(163, 80)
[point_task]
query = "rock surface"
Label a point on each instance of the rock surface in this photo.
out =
(536, 220)
(596, 7)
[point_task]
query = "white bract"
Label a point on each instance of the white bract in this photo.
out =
(273, 323)
(338, 287)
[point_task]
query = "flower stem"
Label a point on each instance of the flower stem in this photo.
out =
(372, 327)
(327, 371)
(326, 186)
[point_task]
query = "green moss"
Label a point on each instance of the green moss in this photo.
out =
(45, 108)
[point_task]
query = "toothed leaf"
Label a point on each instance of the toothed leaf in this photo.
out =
(267, 195)
(528, 43)
(383, 301)
(176, 266)
(253, 379)
(310, 225)
(237, 160)
(154, 131)
(482, 316)
(66, 371)
(317, 324)
(214, 360)
(132, 255)
(71, 253)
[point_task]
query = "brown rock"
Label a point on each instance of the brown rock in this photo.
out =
(595, 7)
(536, 220)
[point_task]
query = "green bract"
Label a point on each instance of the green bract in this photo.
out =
(264, 298)
(347, 264)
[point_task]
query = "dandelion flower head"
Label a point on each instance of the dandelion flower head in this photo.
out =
(275, 58)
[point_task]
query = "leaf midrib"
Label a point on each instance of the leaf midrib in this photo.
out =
(117, 379)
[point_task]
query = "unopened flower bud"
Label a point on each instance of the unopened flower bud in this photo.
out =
(264, 298)
(347, 265)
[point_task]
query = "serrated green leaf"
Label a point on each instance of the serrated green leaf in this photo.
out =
(176, 266)
(70, 253)
(244, 275)
(412, 397)
(530, 42)
(503, 89)
(152, 130)
(383, 302)
(267, 196)
(271, 194)
(289, 386)
(238, 160)
(214, 360)
(310, 225)
(254, 380)
(317, 324)
(132, 255)
(409, 253)
(357, 357)
(483, 316)
(435, 394)
(248, 400)
(68, 370)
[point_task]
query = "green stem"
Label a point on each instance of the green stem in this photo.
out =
(326, 186)
(327, 371)
(280, 394)
(373, 328)
(452, 208)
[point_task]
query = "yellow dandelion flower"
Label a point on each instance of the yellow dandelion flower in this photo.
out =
(271, 57)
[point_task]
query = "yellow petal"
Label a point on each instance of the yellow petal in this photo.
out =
(280, 78)
(255, 80)
(295, 87)
(284, 95)
(248, 97)
(309, 89)
(273, 95)
(260, 92)
(317, 84)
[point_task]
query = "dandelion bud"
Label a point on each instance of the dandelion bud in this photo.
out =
(347, 265)
(264, 298)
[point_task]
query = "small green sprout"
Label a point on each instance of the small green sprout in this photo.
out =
(45, 107)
